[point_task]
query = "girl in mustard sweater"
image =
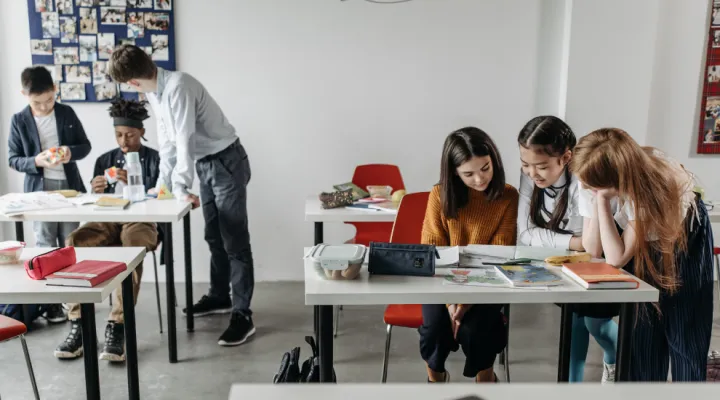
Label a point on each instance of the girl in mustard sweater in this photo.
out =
(471, 205)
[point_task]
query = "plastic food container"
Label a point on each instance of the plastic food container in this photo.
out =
(10, 251)
(338, 262)
(382, 192)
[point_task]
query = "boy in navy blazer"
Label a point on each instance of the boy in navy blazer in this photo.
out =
(42, 126)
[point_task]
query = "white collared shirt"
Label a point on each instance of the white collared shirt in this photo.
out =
(191, 126)
(529, 234)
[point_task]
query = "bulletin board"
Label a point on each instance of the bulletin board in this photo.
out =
(73, 39)
(709, 135)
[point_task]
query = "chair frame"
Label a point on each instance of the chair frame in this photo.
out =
(28, 362)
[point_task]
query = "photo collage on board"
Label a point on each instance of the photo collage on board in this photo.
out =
(74, 40)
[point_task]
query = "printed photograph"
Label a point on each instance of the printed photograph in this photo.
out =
(127, 41)
(118, 3)
(136, 25)
(157, 21)
(87, 3)
(72, 91)
(112, 15)
(66, 55)
(160, 51)
(712, 119)
(88, 48)
(57, 93)
(710, 133)
(50, 25)
(99, 75)
(41, 47)
(106, 45)
(55, 71)
(44, 6)
(716, 39)
(105, 91)
(147, 49)
(163, 4)
(88, 20)
(140, 3)
(713, 74)
(68, 30)
(78, 74)
(715, 14)
(65, 7)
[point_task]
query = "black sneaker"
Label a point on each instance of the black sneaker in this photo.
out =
(72, 347)
(240, 329)
(208, 305)
(55, 314)
(114, 348)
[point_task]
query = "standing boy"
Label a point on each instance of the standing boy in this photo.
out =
(193, 129)
(34, 131)
(128, 117)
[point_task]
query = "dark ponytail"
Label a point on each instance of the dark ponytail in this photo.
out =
(554, 137)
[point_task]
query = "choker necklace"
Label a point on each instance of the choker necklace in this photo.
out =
(553, 192)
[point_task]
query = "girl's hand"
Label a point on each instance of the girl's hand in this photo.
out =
(457, 312)
(576, 244)
(606, 194)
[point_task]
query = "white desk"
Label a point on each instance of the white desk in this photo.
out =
(366, 290)
(586, 391)
(163, 212)
(17, 287)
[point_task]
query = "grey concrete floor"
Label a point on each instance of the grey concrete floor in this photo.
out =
(206, 370)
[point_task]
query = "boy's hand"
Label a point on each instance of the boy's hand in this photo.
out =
(66, 155)
(122, 175)
(42, 160)
(99, 184)
(194, 200)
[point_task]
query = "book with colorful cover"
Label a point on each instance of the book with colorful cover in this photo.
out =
(599, 276)
(485, 277)
(528, 275)
(357, 192)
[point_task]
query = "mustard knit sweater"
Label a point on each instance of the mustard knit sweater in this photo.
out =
(480, 222)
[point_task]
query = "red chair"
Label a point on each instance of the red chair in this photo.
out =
(375, 174)
(10, 329)
(366, 232)
(407, 229)
(716, 253)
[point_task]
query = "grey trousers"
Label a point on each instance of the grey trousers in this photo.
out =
(53, 234)
(223, 191)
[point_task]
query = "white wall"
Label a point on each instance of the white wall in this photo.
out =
(315, 87)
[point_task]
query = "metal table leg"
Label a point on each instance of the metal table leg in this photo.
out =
(325, 344)
(318, 239)
(188, 275)
(627, 320)
(565, 343)
(89, 338)
(130, 338)
(170, 278)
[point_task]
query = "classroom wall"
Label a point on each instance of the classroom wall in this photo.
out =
(319, 86)
(316, 87)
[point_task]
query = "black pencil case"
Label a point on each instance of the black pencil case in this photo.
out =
(402, 259)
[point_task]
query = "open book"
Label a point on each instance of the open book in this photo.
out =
(476, 252)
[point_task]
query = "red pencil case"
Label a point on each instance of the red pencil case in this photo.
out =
(48, 263)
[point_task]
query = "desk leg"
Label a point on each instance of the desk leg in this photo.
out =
(565, 342)
(130, 339)
(325, 344)
(316, 312)
(19, 231)
(89, 338)
(188, 274)
(170, 279)
(627, 320)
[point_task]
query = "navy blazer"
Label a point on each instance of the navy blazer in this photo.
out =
(24, 145)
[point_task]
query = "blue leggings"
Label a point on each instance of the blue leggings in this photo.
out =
(605, 331)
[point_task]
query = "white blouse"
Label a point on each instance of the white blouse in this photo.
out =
(530, 234)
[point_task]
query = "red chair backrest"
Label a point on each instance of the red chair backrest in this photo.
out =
(409, 221)
(378, 174)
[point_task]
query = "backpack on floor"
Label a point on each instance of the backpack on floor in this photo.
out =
(291, 372)
(15, 311)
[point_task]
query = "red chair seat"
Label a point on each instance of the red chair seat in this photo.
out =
(716, 251)
(10, 328)
(365, 237)
(405, 315)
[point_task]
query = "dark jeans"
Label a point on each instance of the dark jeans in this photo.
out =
(223, 191)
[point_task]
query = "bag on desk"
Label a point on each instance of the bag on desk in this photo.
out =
(291, 372)
(402, 259)
(48, 263)
(341, 198)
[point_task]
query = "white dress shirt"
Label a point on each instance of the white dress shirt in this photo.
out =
(48, 132)
(530, 234)
(191, 126)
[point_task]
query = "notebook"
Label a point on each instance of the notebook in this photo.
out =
(599, 276)
(86, 273)
(528, 276)
(495, 253)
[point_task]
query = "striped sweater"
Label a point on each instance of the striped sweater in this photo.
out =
(480, 222)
